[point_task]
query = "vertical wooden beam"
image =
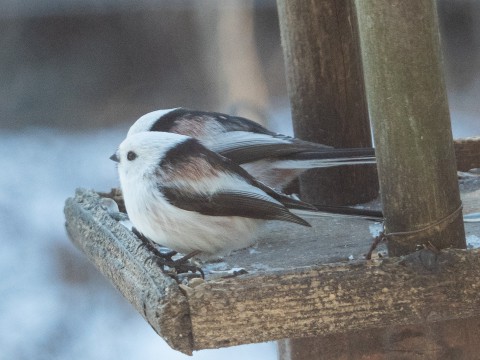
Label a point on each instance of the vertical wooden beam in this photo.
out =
(407, 102)
(409, 110)
(325, 84)
(416, 164)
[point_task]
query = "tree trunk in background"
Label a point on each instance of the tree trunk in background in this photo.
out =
(231, 59)
(246, 88)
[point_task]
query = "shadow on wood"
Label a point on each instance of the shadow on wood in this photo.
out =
(450, 341)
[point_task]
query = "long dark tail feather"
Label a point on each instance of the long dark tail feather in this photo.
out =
(376, 215)
(297, 220)
(334, 154)
(293, 203)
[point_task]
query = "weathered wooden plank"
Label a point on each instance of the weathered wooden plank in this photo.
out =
(467, 152)
(452, 341)
(299, 282)
(421, 288)
(120, 256)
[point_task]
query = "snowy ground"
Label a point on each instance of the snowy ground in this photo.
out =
(53, 303)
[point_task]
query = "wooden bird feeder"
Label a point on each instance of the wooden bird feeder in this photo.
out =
(313, 286)
(300, 283)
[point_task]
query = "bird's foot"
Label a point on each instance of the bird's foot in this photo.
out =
(152, 247)
(178, 266)
(163, 259)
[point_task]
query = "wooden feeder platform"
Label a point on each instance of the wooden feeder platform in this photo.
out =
(300, 282)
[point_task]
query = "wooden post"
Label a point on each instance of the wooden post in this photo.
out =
(325, 84)
(409, 110)
(408, 105)
(416, 162)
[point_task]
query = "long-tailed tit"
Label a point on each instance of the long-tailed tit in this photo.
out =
(274, 159)
(184, 196)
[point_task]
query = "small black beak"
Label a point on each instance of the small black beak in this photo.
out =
(115, 158)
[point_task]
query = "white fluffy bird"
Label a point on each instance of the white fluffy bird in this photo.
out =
(273, 159)
(184, 196)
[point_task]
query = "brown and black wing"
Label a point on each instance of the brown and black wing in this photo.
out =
(231, 203)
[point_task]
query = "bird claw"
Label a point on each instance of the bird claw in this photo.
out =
(180, 266)
(183, 265)
(166, 259)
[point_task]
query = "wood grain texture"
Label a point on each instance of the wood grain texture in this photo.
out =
(409, 111)
(467, 153)
(325, 85)
(454, 340)
(122, 258)
(299, 283)
(420, 288)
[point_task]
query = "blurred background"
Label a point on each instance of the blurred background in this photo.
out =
(74, 75)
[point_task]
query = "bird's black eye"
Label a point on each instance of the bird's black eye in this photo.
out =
(131, 156)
